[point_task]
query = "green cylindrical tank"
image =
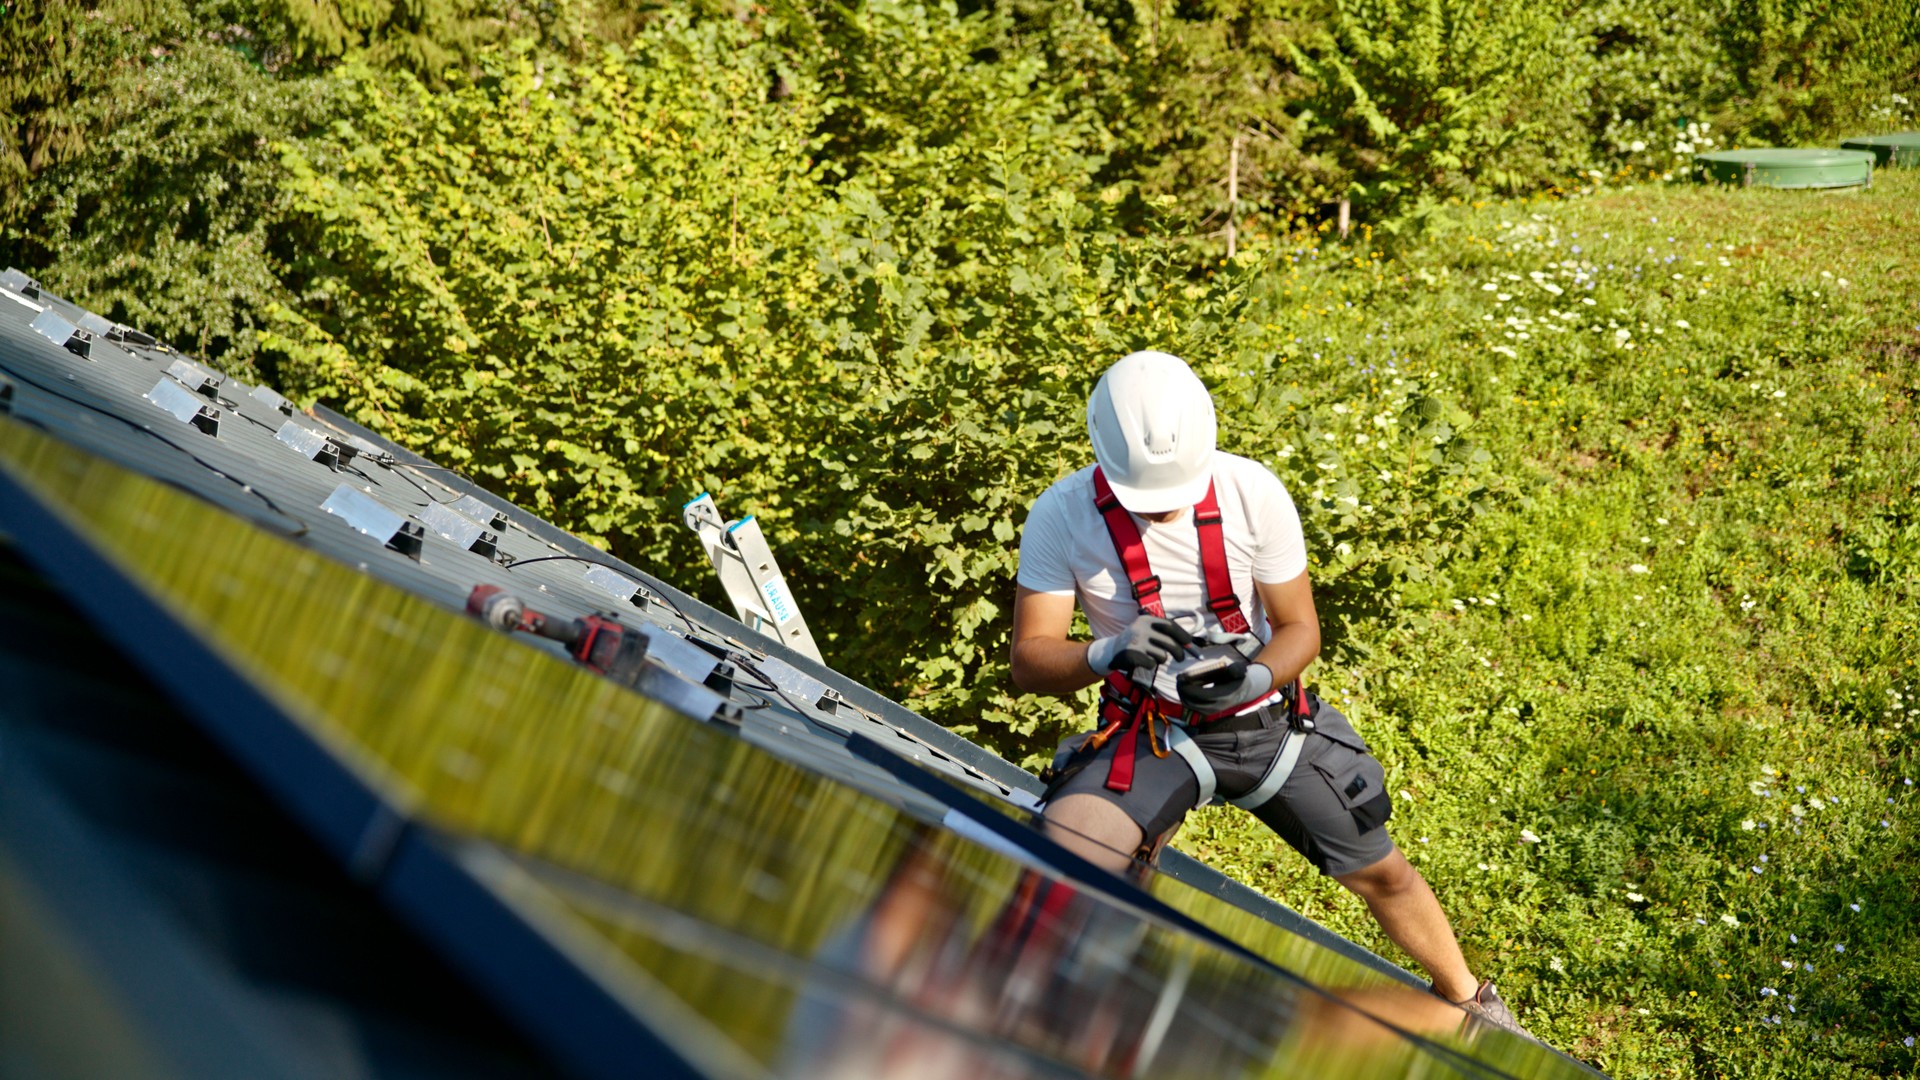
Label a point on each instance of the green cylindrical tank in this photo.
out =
(1770, 167)
(1900, 150)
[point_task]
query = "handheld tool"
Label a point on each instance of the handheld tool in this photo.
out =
(598, 641)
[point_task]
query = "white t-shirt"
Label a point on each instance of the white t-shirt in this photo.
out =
(1065, 550)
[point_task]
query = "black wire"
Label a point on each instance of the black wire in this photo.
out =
(371, 479)
(741, 661)
(234, 408)
(745, 663)
(555, 558)
(668, 600)
(396, 465)
(692, 627)
(417, 486)
(392, 464)
(137, 426)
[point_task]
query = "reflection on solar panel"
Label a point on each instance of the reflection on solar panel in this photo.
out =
(752, 867)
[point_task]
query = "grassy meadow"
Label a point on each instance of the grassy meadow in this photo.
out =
(1651, 727)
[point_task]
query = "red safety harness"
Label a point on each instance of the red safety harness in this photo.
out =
(1122, 701)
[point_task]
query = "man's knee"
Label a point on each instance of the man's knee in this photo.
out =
(1094, 828)
(1387, 877)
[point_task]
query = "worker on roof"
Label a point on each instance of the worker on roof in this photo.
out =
(1191, 568)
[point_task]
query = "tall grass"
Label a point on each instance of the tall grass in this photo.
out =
(1651, 733)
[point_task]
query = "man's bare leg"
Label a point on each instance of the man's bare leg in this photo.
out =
(1094, 829)
(1410, 914)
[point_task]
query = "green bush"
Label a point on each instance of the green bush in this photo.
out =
(1405, 105)
(137, 181)
(608, 288)
(1431, 99)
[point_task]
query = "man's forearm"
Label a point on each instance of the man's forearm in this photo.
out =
(1287, 654)
(1051, 666)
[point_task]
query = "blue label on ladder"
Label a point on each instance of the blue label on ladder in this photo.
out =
(778, 602)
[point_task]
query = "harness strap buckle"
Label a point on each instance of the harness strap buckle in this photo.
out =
(1300, 716)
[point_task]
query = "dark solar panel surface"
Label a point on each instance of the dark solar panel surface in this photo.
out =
(139, 865)
(754, 893)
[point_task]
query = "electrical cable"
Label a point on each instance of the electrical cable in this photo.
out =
(355, 470)
(560, 558)
(234, 408)
(371, 479)
(651, 593)
(396, 465)
(395, 469)
(668, 600)
(740, 660)
(137, 426)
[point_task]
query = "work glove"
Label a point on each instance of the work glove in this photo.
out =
(1147, 642)
(1244, 686)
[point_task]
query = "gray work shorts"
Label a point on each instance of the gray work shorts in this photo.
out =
(1332, 809)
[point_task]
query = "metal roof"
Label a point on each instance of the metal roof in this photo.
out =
(768, 871)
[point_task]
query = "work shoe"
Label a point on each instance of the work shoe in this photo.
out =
(1485, 1005)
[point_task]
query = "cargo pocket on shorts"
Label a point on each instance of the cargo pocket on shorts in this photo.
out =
(1359, 781)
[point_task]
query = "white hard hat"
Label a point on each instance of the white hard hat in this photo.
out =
(1152, 426)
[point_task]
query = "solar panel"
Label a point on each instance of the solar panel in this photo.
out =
(751, 867)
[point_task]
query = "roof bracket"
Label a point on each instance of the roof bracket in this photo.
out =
(196, 378)
(366, 514)
(20, 283)
(410, 538)
(271, 397)
(50, 325)
(308, 443)
(185, 407)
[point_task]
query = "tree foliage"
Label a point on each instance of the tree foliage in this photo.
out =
(1401, 105)
(853, 267)
(611, 287)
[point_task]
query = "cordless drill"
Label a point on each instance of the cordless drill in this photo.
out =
(601, 643)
